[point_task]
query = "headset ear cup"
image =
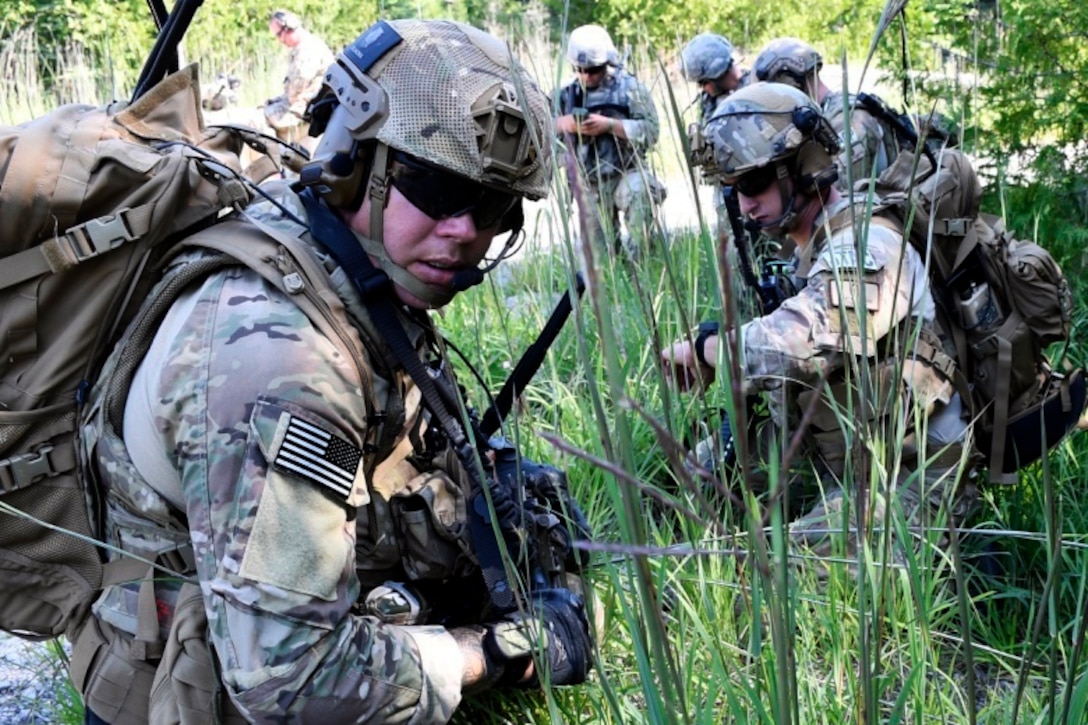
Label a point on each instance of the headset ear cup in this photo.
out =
(342, 164)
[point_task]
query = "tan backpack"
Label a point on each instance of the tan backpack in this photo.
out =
(91, 198)
(1001, 301)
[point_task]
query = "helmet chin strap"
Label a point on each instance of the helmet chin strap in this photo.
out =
(787, 220)
(374, 246)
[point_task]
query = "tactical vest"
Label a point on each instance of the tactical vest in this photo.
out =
(144, 654)
(602, 156)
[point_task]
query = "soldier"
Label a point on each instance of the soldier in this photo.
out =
(873, 143)
(306, 65)
(708, 61)
(608, 123)
(271, 443)
(865, 312)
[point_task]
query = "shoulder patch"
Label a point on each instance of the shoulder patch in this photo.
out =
(844, 257)
(318, 456)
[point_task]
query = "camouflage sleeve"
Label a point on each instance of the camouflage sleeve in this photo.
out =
(810, 331)
(642, 127)
(306, 73)
(263, 418)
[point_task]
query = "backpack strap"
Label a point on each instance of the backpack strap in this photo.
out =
(1001, 412)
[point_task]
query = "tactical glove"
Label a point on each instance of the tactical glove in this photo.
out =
(556, 627)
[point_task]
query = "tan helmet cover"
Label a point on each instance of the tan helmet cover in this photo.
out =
(788, 60)
(591, 45)
(767, 122)
(447, 93)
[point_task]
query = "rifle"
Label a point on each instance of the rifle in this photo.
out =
(900, 123)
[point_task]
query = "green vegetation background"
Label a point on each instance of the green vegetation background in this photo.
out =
(703, 619)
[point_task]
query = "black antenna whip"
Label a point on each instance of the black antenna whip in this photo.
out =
(163, 59)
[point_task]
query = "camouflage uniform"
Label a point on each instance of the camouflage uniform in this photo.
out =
(809, 348)
(306, 66)
(234, 371)
(613, 173)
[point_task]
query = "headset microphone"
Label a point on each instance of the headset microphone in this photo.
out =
(472, 277)
(467, 278)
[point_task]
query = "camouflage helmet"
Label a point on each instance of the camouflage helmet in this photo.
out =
(491, 125)
(764, 123)
(591, 45)
(706, 56)
(441, 91)
(788, 60)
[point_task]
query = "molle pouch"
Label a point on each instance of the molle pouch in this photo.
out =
(1040, 290)
(432, 526)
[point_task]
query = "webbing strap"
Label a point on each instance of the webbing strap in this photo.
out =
(1001, 413)
(23, 266)
(148, 644)
(931, 352)
(19, 472)
(78, 244)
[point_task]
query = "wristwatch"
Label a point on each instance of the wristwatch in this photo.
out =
(706, 329)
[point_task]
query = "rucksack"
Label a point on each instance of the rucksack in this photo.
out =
(91, 199)
(1001, 301)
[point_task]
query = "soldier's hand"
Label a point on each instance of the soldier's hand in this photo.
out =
(481, 670)
(595, 125)
(682, 366)
(566, 124)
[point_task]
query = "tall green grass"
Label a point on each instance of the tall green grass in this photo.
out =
(708, 614)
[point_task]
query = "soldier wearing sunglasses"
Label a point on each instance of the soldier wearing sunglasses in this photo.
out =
(608, 124)
(858, 348)
(272, 445)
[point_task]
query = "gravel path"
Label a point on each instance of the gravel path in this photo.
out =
(30, 678)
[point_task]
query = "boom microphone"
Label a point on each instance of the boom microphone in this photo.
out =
(471, 277)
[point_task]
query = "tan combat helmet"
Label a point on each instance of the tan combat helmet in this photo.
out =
(706, 57)
(442, 92)
(788, 60)
(590, 46)
(774, 126)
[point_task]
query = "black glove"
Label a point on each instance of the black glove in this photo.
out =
(564, 642)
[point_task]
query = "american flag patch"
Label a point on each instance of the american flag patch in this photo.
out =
(319, 456)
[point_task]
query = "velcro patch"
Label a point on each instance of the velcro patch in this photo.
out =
(845, 257)
(319, 456)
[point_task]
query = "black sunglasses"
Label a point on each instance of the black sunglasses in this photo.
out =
(756, 181)
(591, 70)
(440, 194)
